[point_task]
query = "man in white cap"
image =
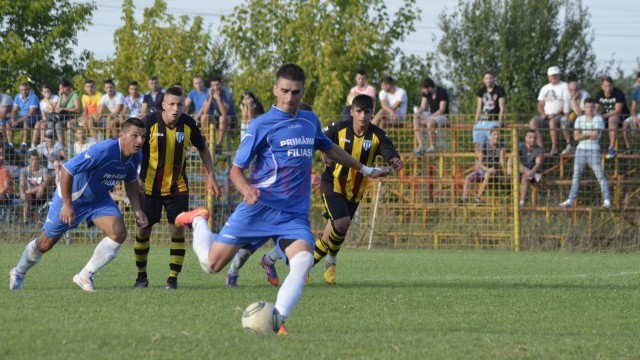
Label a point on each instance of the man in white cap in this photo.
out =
(554, 104)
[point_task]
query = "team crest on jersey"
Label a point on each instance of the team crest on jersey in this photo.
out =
(366, 144)
(180, 137)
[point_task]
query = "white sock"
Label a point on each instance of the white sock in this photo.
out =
(30, 257)
(291, 289)
(203, 238)
(106, 251)
(272, 256)
(239, 260)
(331, 259)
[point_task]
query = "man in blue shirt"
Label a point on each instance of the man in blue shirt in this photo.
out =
(198, 97)
(221, 100)
(25, 112)
(83, 194)
(279, 145)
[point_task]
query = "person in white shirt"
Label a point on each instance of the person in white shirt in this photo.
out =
(111, 104)
(133, 102)
(393, 101)
(554, 103)
(83, 142)
(587, 130)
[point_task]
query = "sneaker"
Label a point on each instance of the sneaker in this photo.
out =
(607, 204)
(330, 273)
(232, 280)
(611, 153)
(141, 283)
(567, 204)
(85, 283)
(431, 150)
(628, 151)
(478, 201)
(568, 150)
(282, 331)
(272, 274)
(186, 218)
(553, 152)
(172, 283)
(419, 151)
(16, 280)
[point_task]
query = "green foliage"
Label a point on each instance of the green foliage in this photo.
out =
(174, 49)
(331, 40)
(518, 40)
(37, 39)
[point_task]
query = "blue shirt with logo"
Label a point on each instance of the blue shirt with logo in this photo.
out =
(25, 105)
(282, 145)
(96, 171)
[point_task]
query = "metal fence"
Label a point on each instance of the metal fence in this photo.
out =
(424, 206)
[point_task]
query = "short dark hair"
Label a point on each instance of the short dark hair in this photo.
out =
(531, 131)
(589, 100)
(291, 72)
(154, 78)
(215, 78)
(108, 81)
(362, 101)
(64, 82)
(176, 84)
(606, 78)
(25, 85)
(387, 79)
(45, 86)
(361, 72)
(427, 83)
(132, 121)
(89, 81)
(134, 83)
(175, 91)
(488, 72)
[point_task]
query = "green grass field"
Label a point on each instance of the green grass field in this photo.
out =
(401, 304)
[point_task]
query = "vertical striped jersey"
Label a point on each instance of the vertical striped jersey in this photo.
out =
(344, 180)
(165, 154)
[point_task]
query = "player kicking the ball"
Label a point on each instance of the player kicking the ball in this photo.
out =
(83, 194)
(276, 196)
(342, 188)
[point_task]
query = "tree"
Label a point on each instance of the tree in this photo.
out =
(37, 39)
(330, 39)
(173, 49)
(518, 40)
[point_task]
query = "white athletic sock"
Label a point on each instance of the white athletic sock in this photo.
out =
(106, 251)
(239, 260)
(272, 256)
(203, 238)
(30, 257)
(291, 289)
(331, 259)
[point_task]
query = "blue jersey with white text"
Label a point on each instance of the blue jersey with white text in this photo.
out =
(282, 145)
(96, 171)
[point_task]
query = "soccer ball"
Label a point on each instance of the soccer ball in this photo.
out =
(261, 317)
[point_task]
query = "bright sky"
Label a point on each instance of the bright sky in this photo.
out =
(615, 24)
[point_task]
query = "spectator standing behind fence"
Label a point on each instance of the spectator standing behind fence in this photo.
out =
(553, 108)
(612, 105)
(250, 108)
(51, 150)
(82, 143)
(47, 106)
(152, 99)
(530, 161)
(111, 104)
(25, 113)
(490, 164)
(393, 100)
(634, 119)
(133, 102)
(68, 108)
(587, 130)
(221, 101)
(438, 101)
(490, 110)
(197, 97)
(34, 183)
(90, 103)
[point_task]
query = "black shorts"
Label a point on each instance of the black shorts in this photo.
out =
(173, 206)
(337, 206)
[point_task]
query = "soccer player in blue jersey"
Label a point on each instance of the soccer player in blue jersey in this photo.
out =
(83, 194)
(276, 197)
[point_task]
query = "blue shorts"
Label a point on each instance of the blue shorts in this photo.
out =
(54, 228)
(253, 225)
(482, 130)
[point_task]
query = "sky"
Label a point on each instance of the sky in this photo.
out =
(614, 22)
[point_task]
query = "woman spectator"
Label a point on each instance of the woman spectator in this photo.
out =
(47, 106)
(251, 108)
(69, 106)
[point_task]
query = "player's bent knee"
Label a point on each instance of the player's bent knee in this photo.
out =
(342, 225)
(45, 243)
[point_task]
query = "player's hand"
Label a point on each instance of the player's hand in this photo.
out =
(67, 214)
(325, 159)
(315, 180)
(396, 164)
(213, 187)
(141, 219)
(381, 172)
(251, 196)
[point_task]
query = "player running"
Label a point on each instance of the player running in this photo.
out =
(83, 194)
(276, 197)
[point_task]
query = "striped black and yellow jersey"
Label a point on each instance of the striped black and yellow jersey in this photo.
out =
(350, 182)
(164, 154)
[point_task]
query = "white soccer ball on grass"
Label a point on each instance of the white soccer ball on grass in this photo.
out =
(261, 317)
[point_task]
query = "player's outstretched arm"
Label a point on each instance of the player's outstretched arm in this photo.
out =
(133, 193)
(337, 154)
(207, 161)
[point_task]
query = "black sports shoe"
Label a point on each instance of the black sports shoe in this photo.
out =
(172, 284)
(141, 283)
